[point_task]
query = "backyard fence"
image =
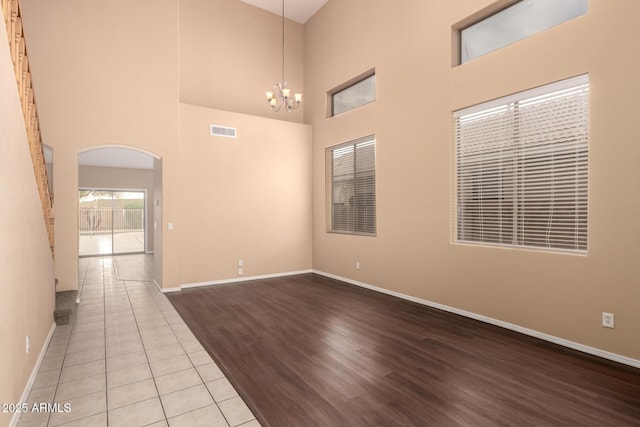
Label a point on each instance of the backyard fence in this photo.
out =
(99, 221)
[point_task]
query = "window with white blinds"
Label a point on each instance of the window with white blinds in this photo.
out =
(353, 187)
(522, 169)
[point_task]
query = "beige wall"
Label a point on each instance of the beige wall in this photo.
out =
(230, 54)
(243, 198)
(97, 177)
(27, 284)
(417, 90)
(104, 75)
(120, 84)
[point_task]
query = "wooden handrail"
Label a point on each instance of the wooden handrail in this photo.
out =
(17, 47)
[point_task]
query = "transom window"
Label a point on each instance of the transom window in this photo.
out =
(522, 169)
(362, 92)
(353, 187)
(521, 20)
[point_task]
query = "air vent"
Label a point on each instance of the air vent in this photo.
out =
(222, 131)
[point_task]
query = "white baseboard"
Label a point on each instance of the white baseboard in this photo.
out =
(235, 280)
(155, 282)
(32, 377)
(546, 337)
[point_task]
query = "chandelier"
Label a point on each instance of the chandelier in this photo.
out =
(280, 96)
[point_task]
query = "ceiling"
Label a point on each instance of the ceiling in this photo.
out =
(296, 10)
(116, 157)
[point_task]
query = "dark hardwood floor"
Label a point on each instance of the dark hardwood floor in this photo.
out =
(311, 351)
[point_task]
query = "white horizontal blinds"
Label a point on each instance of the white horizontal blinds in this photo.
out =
(522, 169)
(353, 186)
(486, 157)
(553, 130)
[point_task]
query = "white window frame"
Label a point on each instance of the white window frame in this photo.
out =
(524, 156)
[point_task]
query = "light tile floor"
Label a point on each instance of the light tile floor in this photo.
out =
(129, 360)
(106, 244)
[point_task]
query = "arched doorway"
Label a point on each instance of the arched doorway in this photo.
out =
(119, 192)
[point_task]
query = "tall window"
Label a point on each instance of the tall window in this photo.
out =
(353, 187)
(521, 20)
(522, 169)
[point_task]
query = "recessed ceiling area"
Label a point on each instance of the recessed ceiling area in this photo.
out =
(296, 10)
(116, 157)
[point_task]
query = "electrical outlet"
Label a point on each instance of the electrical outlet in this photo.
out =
(357, 265)
(27, 344)
(608, 320)
(240, 272)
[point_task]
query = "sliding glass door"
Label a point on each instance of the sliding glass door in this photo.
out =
(111, 222)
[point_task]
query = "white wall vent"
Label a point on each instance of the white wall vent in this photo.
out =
(222, 131)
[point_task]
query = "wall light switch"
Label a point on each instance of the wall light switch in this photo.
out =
(240, 263)
(170, 226)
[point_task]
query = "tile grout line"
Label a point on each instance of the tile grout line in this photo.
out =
(215, 402)
(66, 349)
(106, 372)
(101, 261)
(135, 318)
(187, 353)
(198, 372)
(194, 367)
(148, 302)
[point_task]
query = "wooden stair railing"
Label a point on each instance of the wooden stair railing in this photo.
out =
(17, 46)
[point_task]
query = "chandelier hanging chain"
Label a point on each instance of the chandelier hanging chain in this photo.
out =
(281, 95)
(283, 42)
